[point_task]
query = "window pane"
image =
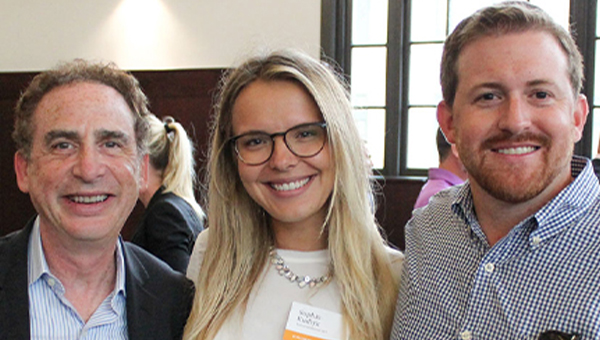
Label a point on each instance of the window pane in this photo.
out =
(557, 9)
(597, 76)
(597, 24)
(368, 76)
(460, 9)
(428, 20)
(422, 130)
(424, 78)
(371, 125)
(369, 21)
(595, 131)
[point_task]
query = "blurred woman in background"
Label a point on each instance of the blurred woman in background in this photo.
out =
(172, 219)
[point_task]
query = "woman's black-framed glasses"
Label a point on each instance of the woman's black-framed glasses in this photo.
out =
(304, 140)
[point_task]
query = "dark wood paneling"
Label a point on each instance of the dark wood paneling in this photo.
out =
(395, 202)
(16, 209)
(187, 95)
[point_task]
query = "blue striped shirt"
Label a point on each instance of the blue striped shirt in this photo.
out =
(544, 275)
(53, 317)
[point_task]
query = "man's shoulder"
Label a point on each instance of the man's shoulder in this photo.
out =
(438, 219)
(9, 238)
(440, 204)
(14, 323)
(13, 241)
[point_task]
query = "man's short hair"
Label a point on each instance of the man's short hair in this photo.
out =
(78, 71)
(504, 18)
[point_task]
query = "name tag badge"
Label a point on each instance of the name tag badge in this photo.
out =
(311, 323)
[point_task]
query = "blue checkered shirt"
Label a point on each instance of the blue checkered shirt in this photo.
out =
(544, 275)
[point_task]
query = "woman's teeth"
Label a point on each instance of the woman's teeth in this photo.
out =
(290, 186)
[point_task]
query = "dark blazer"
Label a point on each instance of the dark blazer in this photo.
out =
(169, 229)
(596, 164)
(158, 298)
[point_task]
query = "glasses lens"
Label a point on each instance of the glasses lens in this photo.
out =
(254, 148)
(306, 140)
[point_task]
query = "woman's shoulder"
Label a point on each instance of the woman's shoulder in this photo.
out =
(168, 199)
(193, 268)
(394, 254)
(396, 260)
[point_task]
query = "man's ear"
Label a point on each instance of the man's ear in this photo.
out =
(580, 116)
(21, 166)
(445, 119)
(454, 150)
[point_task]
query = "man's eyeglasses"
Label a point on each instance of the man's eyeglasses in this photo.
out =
(256, 148)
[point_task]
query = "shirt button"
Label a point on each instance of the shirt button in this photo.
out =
(51, 282)
(466, 335)
(489, 267)
(536, 240)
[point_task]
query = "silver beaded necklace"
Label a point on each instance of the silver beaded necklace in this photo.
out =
(285, 271)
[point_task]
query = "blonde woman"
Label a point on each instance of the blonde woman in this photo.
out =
(289, 210)
(172, 219)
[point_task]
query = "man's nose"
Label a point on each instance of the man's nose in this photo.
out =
(89, 164)
(515, 115)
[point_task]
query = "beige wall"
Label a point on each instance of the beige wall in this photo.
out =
(152, 34)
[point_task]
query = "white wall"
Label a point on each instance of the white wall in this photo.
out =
(152, 34)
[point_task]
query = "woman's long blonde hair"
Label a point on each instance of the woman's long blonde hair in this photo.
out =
(172, 153)
(240, 236)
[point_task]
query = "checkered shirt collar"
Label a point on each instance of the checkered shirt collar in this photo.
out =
(552, 218)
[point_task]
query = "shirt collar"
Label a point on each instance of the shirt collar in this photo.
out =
(37, 265)
(574, 199)
(120, 281)
(571, 202)
(36, 261)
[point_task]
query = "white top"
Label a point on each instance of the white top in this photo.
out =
(272, 296)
